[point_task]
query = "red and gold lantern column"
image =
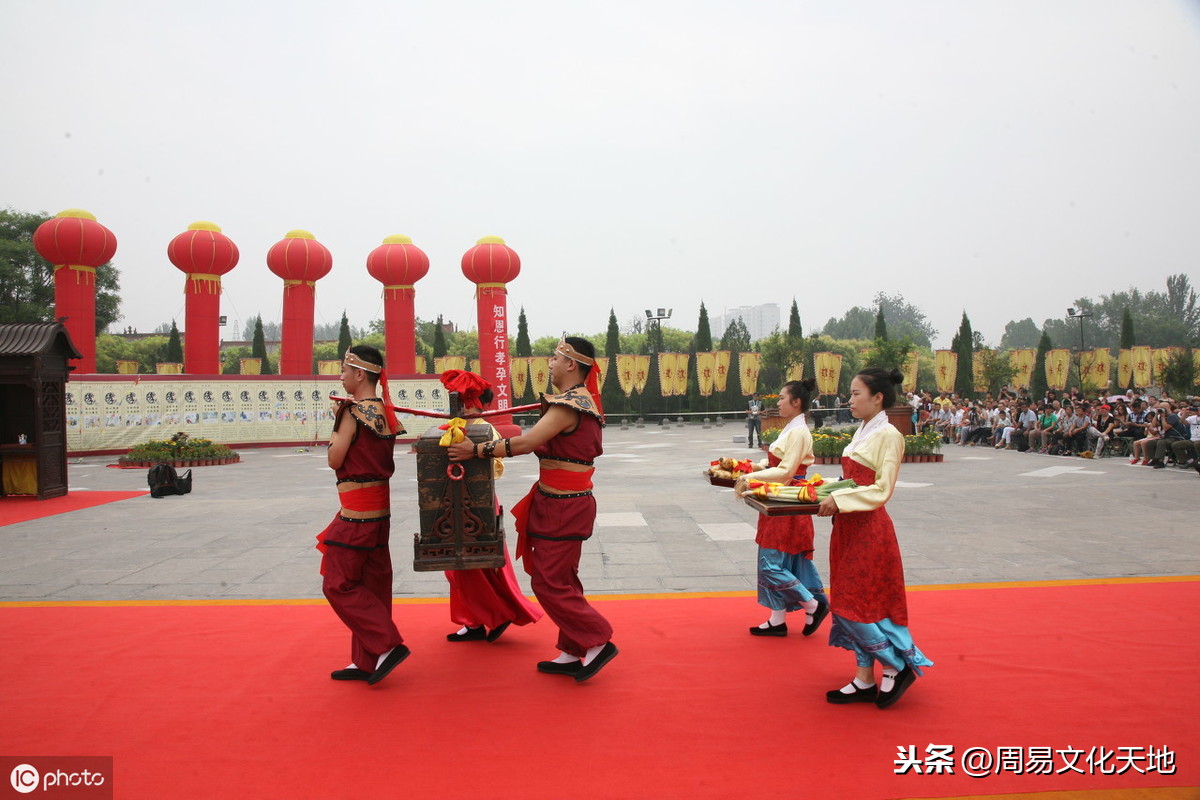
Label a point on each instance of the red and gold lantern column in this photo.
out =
(398, 264)
(204, 254)
(301, 261)
(491, 264)
(76, 244)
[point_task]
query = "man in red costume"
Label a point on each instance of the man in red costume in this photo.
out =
(558, 514)
(356, 562)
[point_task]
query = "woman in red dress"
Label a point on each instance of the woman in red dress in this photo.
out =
(484, 602)
(870, 611)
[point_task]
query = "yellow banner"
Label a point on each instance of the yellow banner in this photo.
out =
(602, 364)
(796, 371)
(945, 365)
(475, 365)
(1141, 357)
(681, 373)
(1196, 363)
(1058, 368)
(444, 363)
(910, 372)
(519, 372)
(126, 367)
(169, 368)
(748, 364)
(829, 370)
(539, 374)
(1022, 362)
(1124, 368)
(706, 372)
(331, 367)
(253, 366)
(641, 373)
(1160, 356)
(979, 364)
(666, 373)
(1097, 368)
(627, 372)
(721, 379)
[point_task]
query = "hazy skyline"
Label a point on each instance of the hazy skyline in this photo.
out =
(1002, 158)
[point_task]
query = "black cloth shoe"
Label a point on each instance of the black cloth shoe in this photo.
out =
(350, 674)
(471, 635)
(818, 617)
(498, 631)
(398, 654)
(904, 679)
(1157, 463)
(838, 697)
(559, 667)
(603, 657)
(770, 630)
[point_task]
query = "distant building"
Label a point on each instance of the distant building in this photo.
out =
(761, 320)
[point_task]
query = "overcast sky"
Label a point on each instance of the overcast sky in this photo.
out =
(998, 156)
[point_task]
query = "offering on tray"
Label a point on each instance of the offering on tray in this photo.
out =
(813, 489)
(730, 468)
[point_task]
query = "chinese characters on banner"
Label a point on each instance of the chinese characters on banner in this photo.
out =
(666, 373)
(602, 365)
(520, 376)
(721, 379)
(1058, 366)
(443, 363)
(627, 373)
(706, 372)
(641, 373)
(681, 373)
(829, 371)
(1022, 362)
(910, 372)
(1140, 358)
(748, 366)
(979, 366)
(945, 367)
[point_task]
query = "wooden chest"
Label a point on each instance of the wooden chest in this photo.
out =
(461, 525)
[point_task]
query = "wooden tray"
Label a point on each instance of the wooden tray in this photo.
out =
(780, 508)
(715, 481)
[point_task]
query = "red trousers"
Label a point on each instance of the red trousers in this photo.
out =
(358, 585)
(553, 568)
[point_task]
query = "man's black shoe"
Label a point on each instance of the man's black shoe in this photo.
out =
(398, 654)
(559, 667)
(350, 674)
(603, 657)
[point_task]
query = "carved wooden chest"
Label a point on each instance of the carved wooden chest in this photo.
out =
(461, 526)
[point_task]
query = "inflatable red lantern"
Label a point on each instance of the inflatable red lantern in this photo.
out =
(491, 264)
(301, 261)
(204, 254)
(398, 264)
(76, 244)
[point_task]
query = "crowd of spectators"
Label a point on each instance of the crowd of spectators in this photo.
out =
(1149, 430)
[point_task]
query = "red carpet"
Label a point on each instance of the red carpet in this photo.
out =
(235, 700)
(23, 508)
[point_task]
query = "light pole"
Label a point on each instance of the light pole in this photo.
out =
(1079, 315)
(651, 317)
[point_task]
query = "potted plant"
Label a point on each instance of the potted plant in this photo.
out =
(180, 450)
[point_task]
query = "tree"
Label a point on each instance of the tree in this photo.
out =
(611, 396)
(273, 331)
(736, 339)
(1127, 338)
(521, 348)
(779, 354)
(27, 279)
(888, 354)
(174, 346)
(997, 370)
(964, 345)
(902, 319)
(439, 338)
(1179, 374)
(794, 328)
(258, 347)
(880, 326)
(1037, 381)
(1020, 335)
(345, 341)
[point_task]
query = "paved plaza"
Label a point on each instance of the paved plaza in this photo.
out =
(247, 530)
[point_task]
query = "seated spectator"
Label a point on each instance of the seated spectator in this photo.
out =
(1101, 430)
(1046, 422)
(1176, 439)
(1139, 453)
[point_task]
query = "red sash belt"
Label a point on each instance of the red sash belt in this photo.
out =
(368, 498)
(560, 480)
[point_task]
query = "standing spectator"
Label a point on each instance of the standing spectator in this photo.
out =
(754, 420)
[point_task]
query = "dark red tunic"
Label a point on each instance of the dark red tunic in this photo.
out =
(866, 576)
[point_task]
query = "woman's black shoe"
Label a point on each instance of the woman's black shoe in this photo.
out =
(470, 635)
(904, 679)
(818, 617)
(770, 630)
(839, 697)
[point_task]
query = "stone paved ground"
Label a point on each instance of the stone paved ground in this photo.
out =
(247, 530)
